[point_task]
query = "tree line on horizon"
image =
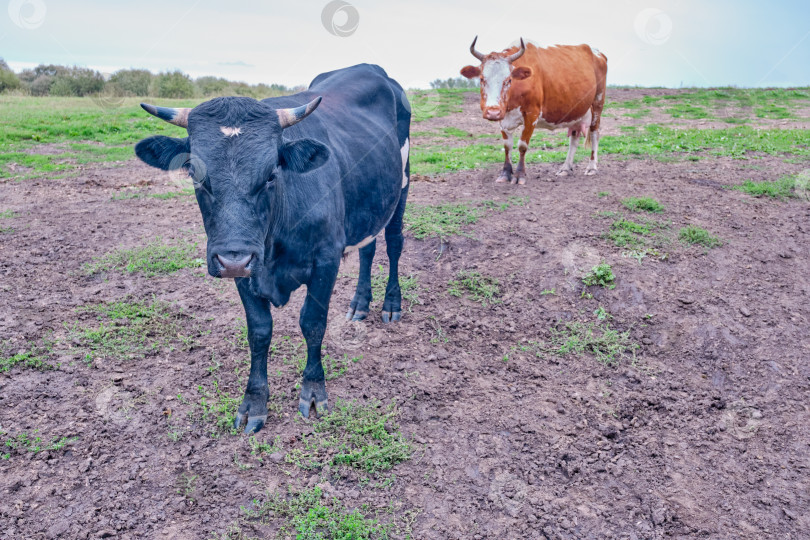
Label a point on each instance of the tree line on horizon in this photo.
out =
(75, 81)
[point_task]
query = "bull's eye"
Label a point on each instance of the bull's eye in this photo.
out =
(271, 178)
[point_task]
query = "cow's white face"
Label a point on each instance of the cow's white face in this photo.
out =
(496, 74)
(495, 83)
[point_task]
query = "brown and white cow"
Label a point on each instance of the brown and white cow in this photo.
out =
(556, 87)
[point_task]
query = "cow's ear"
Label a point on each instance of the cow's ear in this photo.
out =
(160, 151)
(520, 73)
(302, 155)
(471, 72)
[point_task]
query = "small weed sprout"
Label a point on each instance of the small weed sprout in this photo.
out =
(601, 275)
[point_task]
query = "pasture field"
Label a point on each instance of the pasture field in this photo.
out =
(623, 355)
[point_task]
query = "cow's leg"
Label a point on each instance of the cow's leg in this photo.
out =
(573, 142)
(506, 173)
(260, 331)
(523, 147)
(313, 326)
(358, 309)
(594, 153)
(392, 306)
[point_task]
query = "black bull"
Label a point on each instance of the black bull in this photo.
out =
(283, 201)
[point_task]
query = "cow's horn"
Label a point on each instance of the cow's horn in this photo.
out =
(518, 54)
(178, 117)
(474, 52)
(290, 117)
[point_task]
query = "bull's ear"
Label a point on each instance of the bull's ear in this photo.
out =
(302, 155)
(522, 72)
(160, 151)
(471, 72)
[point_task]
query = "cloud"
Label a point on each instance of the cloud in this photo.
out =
(237, 63)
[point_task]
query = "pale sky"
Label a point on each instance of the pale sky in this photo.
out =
(649, 43)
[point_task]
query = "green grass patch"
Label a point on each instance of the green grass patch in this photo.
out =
(8, 214)
(783, 188)
(685, 110)
(697, 236)
(426, 104)
(25, 443)
(153, 259)
(608, 345)
(310, 515)
(475, 286)
(601, 275)
(127, 330)
(442, 221)
(643, 204)
(34, 356)
(359, 436)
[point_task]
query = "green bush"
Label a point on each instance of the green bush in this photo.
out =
(8, 80)
(130, 82)
(174, 84)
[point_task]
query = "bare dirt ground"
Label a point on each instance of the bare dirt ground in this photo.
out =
(704, 436)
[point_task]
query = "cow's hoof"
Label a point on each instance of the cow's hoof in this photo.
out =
(252, 411)
(503, 179)
(590, 172)
(313, 395)
(254, 423)
(391, 316)
(355, 315)
(520, 180)
(564, 172)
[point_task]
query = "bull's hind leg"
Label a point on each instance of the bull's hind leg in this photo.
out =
(313, 326)
(358, 309)
(392, 305)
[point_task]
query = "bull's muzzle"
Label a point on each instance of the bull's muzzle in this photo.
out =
(493, 114)
(234, 268)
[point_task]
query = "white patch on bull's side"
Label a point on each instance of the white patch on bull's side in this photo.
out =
(404, 152)
(230, 131)
(495, 73)
(599, 96)
(363, 243)
(512, 120)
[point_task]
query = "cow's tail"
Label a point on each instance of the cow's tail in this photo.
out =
(588, 141)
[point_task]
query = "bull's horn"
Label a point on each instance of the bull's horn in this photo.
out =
(178, 117)
(513, 57)
(474, 52)
(290, 117)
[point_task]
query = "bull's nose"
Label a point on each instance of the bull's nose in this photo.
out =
(234, 268)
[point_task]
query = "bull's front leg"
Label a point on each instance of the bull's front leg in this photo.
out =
(313, 326)
(253, 409)
(506, 173)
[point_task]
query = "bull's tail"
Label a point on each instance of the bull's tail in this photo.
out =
(588, 141)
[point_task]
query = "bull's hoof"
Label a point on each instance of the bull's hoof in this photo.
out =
(253, 425)
(313, 395)
(356, 315)
(590, 171)
(252, 412)
(391, 316)
(565, 172)
(520, 180)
